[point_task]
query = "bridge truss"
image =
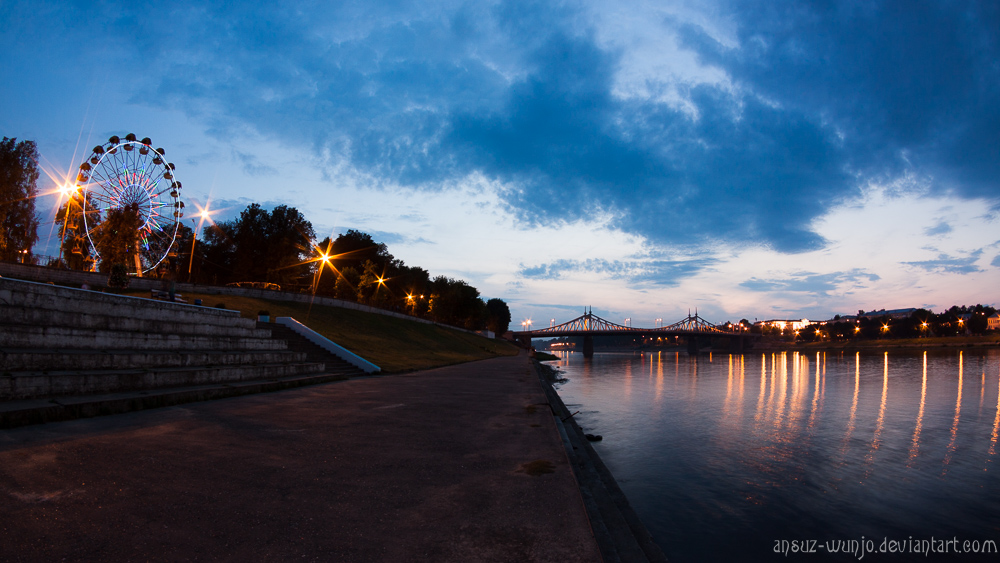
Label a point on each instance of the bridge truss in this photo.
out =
(589, 323)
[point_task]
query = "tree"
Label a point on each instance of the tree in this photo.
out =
(289, 246)
(76, 250)
(117, 238)
(456, 303)
(261, 246)
(180, 260)
(978, 322)
(498, 316)
(371, 287)
(18, 175)
(346, 287)
(353, 248)
(218, 251)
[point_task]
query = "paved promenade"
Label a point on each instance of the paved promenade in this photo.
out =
(430, 466)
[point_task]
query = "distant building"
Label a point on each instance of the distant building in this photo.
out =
(993, 321)
(784, 324)
(891, 313)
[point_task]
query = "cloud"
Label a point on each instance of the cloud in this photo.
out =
(425, 95)
(908, 86)
(941, 228)
(252, 165)
(996, 262)
(817, 101)
(667, 273)
(809, 282)
(950, 264)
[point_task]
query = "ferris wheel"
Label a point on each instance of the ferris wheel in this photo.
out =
(127, 171)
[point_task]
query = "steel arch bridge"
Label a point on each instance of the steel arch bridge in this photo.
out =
(589, 325)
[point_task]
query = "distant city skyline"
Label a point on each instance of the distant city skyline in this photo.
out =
(742, 158)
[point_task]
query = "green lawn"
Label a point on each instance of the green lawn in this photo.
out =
(393, 344)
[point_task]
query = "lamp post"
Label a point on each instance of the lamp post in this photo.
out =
(67, 190)
(323, 260)
(194, 238)
(204, 215)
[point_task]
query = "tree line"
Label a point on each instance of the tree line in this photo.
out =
(277, 247)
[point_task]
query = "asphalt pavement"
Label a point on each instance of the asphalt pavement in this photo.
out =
(462, 463)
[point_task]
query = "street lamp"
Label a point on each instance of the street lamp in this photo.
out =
(68, 191)
(203, 216)
(325, 259)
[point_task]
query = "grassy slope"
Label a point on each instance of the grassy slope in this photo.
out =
(391, 343)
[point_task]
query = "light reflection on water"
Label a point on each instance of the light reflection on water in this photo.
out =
(721, 455)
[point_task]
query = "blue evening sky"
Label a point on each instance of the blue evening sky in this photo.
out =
(749, 159)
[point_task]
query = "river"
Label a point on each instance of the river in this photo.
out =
(724, 456)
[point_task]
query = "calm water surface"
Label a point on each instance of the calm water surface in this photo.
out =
(722, 455)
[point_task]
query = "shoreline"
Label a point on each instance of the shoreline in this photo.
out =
(619, 532)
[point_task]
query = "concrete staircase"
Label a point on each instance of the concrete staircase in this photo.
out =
(58, 344)
(313, 353)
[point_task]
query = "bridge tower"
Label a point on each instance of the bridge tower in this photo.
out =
(588, 346)
(525, 341)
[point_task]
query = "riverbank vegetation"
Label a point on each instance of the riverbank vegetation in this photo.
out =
(394, 344)
(278, 249)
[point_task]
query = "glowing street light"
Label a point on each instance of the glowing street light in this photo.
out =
(67, 190)
(203, 215)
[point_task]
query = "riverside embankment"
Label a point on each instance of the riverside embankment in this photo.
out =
(461, 463)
